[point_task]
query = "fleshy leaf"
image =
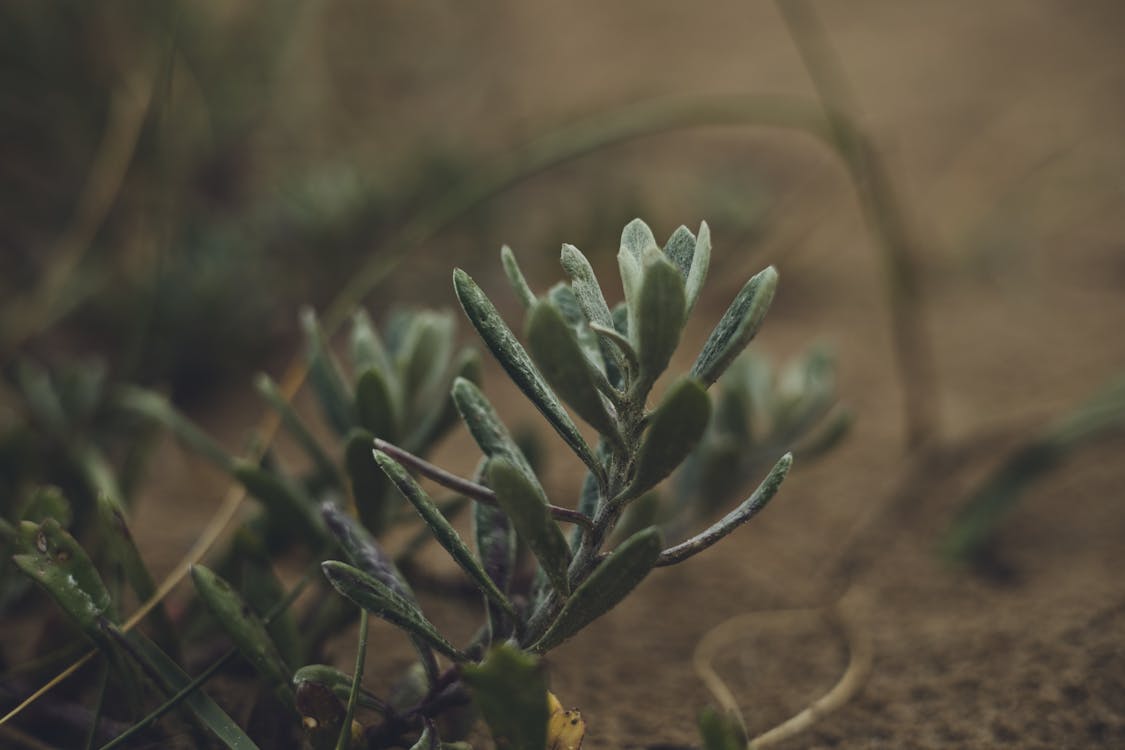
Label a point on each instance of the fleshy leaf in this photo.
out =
(526, 505)
(720, 732)
(367, 350)
(375, 405)
(58, 563)
(369, 484)
(674, 429)
(510, 688)
(442, 530)
(737, 327)
(325, 377)
(610, 582)
(516, 277)
(496, 548)
(680, 249)
(517, 363)
(564, 364)
(245, 628)
(700, 262)
(381, 601)
(486, 428)
(660, 319)
(740, 515)
(362, 549)
(268, 389)
(586, 286)
(637, 239)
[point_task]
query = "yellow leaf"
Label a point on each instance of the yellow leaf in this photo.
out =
(565, 729)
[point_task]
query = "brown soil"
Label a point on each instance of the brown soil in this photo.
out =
(1002, 127)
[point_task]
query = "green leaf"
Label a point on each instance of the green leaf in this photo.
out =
(325, 376)
(158, 409)
(526, 504)
(610, 582)
(516, 362)
(737, 327)
(369, 484)
(516, 277)
(123, 550)
(296, 426)
(510, 688)
(740, 515)
(496, 548)
(362, 549)
(443, 531)
(486, 428)
(679, 250)
(700, 262)
(637, 239)
(630, 268)
(424, 357)
(172, 679)
(285, 502)
(564, 364)
(58, 563)
(586, 286)
(674, 429)
(47, 502)
(375, 405)
(338, 682)
(245, 629)
(720, 732)
(383, 602)
(660, 319)
(443, 412)
(367, 350)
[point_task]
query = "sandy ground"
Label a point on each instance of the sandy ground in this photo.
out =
(1002, 129)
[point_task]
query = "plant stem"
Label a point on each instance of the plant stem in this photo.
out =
(469, 489)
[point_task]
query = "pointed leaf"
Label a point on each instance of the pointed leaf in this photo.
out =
(362, 550)
(58, 563)
(610, 582)
(679, 250)
(516, 277)
(383, 602)
(325, 376)
(737, 327)
(157, 408)
(442, 530)
(740, 515)
(486, 428)
(674, 429)
(526, 505)
(630, 268)
(296, 426)
(287, 504)
(510, 689)
(517, 363)
(375, 405)
(172, 680)
(660, 319)
(424, 358)
(370, 490)
(367, 350)
(245, 628)
(496, 548)
(700, 262)
(556, 350)
(586, 286)
(442, 414)
(720, 732)
(637, 239)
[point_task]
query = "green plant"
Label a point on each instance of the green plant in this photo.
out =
(405, 389)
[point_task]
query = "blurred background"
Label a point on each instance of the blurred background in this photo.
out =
(176, 179)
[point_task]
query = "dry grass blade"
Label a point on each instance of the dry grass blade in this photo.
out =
(860, 657)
